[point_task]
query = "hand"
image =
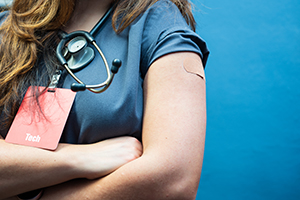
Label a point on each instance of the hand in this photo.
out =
(102, 158)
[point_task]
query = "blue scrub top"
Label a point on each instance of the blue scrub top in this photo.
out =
(119, 110)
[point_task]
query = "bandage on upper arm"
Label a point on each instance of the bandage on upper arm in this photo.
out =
(194, 66)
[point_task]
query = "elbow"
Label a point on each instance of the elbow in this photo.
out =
(170, 184)
(179, 184)
(185, 189)
(173, 179)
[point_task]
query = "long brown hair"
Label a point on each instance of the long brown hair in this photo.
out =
(29, 36)
(131, 9)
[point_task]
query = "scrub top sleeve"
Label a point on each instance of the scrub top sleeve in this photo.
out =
(166, 31)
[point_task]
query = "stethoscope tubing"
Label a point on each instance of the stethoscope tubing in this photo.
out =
(65, 38)
(103, 85)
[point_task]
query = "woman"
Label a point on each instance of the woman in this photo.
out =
(157, 97)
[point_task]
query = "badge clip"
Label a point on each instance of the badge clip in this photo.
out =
(54, 81)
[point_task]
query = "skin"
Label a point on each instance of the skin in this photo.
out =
(167, 166)
(65, 163)
(87, 14)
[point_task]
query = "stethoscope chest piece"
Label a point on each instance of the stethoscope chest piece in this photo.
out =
(74, 54)
(78, 54)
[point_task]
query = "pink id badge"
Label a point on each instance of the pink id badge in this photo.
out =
(31, 127)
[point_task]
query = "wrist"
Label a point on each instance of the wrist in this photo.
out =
(70, 160)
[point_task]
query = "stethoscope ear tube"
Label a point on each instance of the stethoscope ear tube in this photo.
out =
(66, 38)
(80, 86)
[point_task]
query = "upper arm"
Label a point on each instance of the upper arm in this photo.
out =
(175, 112)
(173, 140)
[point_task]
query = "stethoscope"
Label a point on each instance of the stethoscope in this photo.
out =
(76, 55)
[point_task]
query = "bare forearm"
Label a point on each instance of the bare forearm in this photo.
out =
(142, 179)
(26, 168)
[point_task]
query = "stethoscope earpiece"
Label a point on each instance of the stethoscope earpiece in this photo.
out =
(76, 87)
(116, 64)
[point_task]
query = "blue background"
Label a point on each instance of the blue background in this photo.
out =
(253, 99)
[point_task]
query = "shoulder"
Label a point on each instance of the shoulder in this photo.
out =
(160, 16)
(166, 31)
(164, 14)
(161, 19)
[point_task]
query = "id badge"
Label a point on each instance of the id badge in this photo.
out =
(41, 125)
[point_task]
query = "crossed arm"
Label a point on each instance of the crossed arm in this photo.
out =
(173, 142)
